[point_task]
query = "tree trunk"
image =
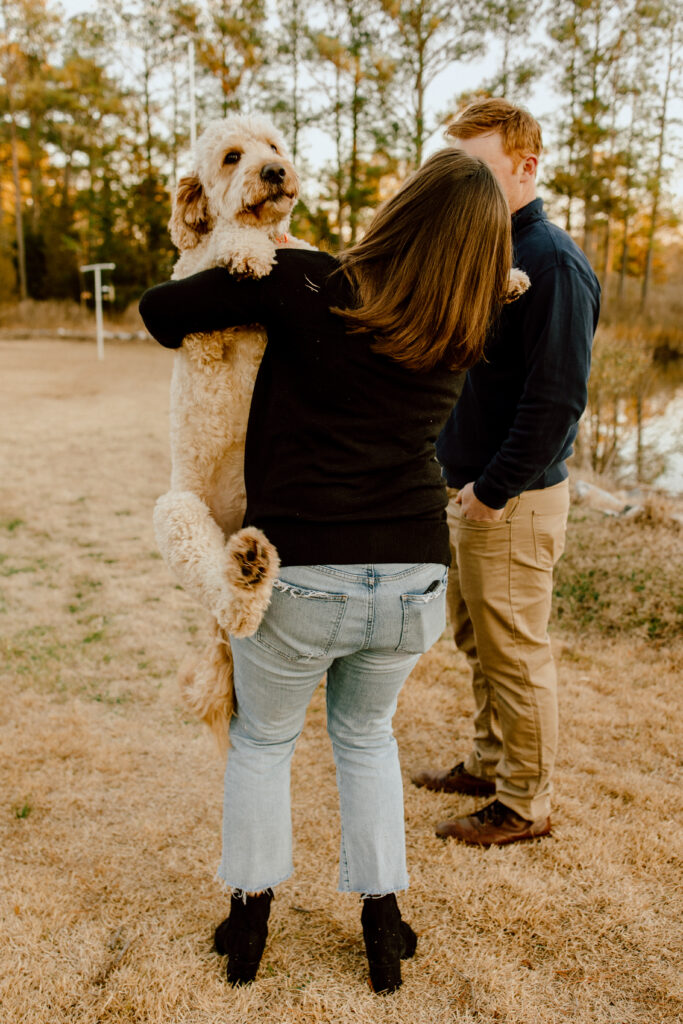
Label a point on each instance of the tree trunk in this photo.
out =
(504, 71)
(657, 183)
(624, 261)
(353, 169)
(18, 219)
(419, 105)
(339, 172)
(639, 437)
(296, 127)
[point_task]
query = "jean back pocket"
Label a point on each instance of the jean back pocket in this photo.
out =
(424, 618)
(300, 624)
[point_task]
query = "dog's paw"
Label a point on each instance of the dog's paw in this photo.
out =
(518, 283)
(248, 559)
(254, 265)
(249, 252)
(251, 566)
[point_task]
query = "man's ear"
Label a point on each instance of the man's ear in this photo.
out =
(190, 218)
(529, 165)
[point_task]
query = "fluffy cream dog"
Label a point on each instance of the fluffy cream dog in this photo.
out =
(232, 211)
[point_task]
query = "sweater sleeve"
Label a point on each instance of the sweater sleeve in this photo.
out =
(558, 334)
(208, 301)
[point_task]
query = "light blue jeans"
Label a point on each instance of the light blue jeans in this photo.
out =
(365, 626)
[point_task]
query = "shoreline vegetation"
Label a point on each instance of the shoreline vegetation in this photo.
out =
(620, 576)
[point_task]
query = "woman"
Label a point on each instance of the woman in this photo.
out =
(360, 372)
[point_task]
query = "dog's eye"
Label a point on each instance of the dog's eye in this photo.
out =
(233, 157)
(273, 147)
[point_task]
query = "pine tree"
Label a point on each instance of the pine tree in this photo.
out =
(666, 20)
(233, 52)
(428, 36)
(588, 38)
(356, 76)
(148, 31)
(510, 23)
(27, 42)
(293, 51)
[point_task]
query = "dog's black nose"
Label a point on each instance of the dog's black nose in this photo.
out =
(274, 173)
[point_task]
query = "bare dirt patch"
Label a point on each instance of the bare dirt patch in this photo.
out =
(110, 811)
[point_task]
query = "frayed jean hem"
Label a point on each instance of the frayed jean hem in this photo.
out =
(229, 887)
(366, 894)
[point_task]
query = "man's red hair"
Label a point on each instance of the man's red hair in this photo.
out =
(519, 131)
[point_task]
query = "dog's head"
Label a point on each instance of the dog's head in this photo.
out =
(244, 175)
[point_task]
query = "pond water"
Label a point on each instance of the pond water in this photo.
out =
(662, 436)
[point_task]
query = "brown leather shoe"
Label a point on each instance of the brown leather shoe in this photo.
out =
(457, 780)
(493, 825)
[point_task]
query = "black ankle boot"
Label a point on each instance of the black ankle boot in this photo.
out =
(388, 940)
(242, 936)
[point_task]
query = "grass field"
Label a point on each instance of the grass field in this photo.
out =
(110, 813)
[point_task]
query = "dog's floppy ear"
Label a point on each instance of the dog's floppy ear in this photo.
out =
(190, 218)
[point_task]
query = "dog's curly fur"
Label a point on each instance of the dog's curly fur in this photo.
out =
(231, 211)
(518, 283)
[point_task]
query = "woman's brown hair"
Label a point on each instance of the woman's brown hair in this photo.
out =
(432, 270)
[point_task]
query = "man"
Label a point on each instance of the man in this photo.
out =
(504, 450)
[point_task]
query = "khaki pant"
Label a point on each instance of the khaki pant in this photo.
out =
(499, 596)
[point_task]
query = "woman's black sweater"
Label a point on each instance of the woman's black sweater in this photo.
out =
(340, 465)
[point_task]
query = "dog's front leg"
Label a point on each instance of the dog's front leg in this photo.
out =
(518, 283)
(245, 250)
(233, 581)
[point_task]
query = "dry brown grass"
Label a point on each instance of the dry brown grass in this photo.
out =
(622, 576)
(111, 800)
(52, 314)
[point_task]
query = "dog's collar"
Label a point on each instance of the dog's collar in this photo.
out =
(281, 239)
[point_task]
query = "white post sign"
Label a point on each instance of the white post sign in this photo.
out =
(98, 268)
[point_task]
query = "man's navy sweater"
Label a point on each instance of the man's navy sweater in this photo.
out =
(516, 420)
